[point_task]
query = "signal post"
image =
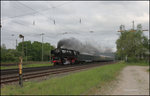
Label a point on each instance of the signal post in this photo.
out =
(20, 73)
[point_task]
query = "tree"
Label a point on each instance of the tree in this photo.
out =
(132, 44)
(9, 54)
(33, 51)
(36, 50)
(47, 48)
(3, 52)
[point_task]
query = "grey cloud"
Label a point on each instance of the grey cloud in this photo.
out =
(103, 18)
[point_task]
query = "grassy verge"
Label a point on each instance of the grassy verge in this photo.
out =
(73, 84)
(29, 65)
(26, 62)
(142, 63)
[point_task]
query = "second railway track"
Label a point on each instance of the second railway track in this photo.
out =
(56, 70)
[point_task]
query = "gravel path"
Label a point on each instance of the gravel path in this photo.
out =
(133, 80)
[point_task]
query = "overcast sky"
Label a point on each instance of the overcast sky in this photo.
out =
(32, 18)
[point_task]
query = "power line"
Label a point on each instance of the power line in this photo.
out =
(40, 13)
(25, 26)
(18, 23)
(27, 6)
(35, 11)
(31, 8)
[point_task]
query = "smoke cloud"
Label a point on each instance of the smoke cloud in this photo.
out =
(75, 44)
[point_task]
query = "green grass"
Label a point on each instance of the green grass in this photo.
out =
(25, 62)
(8, 62)
(36, 64)
(73, 84)
(142, 63)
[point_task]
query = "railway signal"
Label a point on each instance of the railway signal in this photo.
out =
(21, 61)
(20, 73)
(21, 36)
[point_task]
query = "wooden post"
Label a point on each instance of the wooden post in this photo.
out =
(20, 72)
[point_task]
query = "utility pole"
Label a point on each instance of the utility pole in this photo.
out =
(16, 40)
(133, 24)
(42, 45)
(50, 53)
(16, 44)
(80, 21)
(12, 36)
(26, 53)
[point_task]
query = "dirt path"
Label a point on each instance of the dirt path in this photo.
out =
(133, 80)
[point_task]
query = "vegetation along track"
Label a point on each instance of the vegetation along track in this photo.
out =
(37, 72)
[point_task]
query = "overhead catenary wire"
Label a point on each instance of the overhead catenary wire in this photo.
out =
(27, 6)
(35, 11)
(39, 12)
(31, 8)
(25, 27)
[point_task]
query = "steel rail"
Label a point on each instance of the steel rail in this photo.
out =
(15, 78)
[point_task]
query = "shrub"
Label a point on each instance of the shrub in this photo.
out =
(133, 59)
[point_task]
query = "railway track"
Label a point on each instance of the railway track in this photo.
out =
(33, 69)
(16, 64)
(28, 74)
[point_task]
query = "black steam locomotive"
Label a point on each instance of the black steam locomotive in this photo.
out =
(62, 56)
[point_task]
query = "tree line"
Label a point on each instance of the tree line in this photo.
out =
(31, 51)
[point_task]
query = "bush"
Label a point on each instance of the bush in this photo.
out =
(133, 59)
